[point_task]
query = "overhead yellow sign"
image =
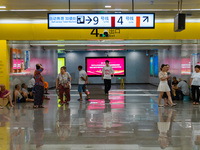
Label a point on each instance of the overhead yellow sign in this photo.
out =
(41, 32)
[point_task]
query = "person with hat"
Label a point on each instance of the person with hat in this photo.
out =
(107, 71)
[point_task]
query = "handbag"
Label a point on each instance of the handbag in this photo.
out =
(66, 86)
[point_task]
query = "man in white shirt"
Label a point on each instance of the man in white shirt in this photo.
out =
(83, 78)
(31, 84)
(106, 76)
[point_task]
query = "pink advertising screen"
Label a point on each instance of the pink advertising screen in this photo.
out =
(14, 63)
(94, 66)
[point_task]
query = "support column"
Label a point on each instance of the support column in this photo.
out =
(4, 63)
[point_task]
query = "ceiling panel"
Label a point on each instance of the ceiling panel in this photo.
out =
(95, 4)
(163, 8)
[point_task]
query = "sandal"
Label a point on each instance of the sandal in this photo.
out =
(40, 106)
(197, 103)
(194, 103)
(160, 106)
(35, 106)
(60, 102)
(174, 104)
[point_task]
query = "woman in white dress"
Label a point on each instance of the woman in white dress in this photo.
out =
(163, 86)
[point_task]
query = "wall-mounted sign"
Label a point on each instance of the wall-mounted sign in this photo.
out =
(101, 21)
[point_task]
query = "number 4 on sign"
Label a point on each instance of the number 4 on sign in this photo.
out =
(120, 20)
(95, 32)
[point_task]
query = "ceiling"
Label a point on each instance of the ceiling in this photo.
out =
(101, 45)
(27, 9)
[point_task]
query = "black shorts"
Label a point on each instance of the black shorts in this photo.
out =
(22, 100)
(30, 90)
(29, 96)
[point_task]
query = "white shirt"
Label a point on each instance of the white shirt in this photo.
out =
(107, 71)
(196, 79)
(183, 87)
(31, 83)
(24, 90)
(83, 74)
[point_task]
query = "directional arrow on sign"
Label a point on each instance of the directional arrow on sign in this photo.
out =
(146, 18)
(89, 19)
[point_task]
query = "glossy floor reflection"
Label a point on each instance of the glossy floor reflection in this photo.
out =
(129, 120)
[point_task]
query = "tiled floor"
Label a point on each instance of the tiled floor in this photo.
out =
(131, 120)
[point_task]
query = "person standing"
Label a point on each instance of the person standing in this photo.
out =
(31, 84)
(169, 81)
(83, 78)
(163, 86)
(39, 87)
(63, 83)
(106, 76)
(195, 85)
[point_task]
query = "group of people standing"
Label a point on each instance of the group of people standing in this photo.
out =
(63, 82)
(165, 86)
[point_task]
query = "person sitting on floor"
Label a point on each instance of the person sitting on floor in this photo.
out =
(175, 81)
(179, 79)
(20, 96)
(182, 89)
(26, 93)
(5, 94)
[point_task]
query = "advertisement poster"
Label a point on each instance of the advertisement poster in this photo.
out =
(151, 65)
(94, 66)
(155, 65)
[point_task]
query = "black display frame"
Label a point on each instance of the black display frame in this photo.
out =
(102, 27)
(108, 58)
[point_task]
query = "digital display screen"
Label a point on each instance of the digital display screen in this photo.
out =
(155, 65)
(151, 65)
(14, 63)
(95, 65)
(104, 21)
(19, 63)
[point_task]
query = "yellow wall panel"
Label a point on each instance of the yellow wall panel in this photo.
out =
(41, 32)
(4, 63)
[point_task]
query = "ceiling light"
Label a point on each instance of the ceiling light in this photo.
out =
(70, 9)
(105, 49)
(104, 45)
(59, 9)
(2, 6)
(60, 45)
(107, 6)
(29, 10)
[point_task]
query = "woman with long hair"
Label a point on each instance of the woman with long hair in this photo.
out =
(163, 86)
